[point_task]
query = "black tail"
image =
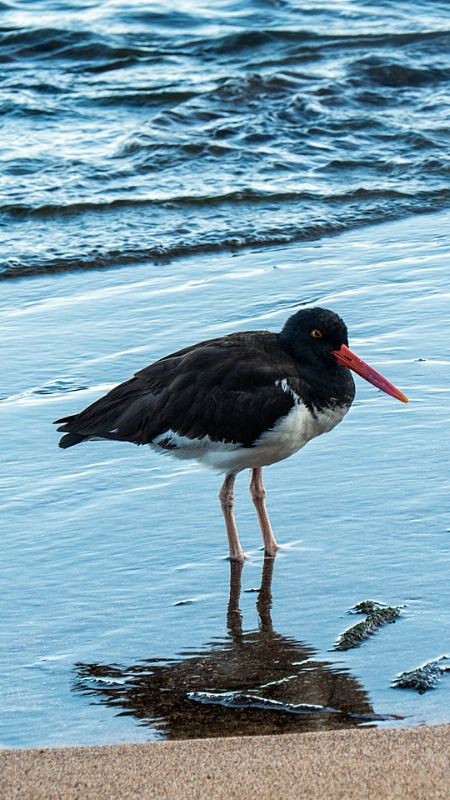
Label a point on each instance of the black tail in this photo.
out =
(70, 439)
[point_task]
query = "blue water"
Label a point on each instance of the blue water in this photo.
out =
(212, 155)
(137, 132)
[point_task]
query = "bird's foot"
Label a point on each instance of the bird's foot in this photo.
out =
(237, 556)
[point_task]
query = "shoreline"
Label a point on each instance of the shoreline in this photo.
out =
(383, 764)
(363, 762)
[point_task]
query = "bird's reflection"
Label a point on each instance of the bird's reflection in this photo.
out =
(248, 683)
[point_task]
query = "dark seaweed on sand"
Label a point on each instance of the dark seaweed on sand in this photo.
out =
(423, 678)
(377, 616)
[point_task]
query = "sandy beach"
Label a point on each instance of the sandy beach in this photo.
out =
(411, 763)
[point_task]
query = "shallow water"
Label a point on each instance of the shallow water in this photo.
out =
(116, 615)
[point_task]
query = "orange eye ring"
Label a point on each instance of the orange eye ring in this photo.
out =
(316, 334)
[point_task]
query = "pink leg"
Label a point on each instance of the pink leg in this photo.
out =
(258, 494)
(226, 497)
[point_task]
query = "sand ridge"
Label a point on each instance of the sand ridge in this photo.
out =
(365, 764)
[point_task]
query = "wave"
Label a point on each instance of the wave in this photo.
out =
(233, 240)
(135, 134)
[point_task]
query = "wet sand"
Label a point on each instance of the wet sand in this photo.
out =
(359, 763)
(411, 763)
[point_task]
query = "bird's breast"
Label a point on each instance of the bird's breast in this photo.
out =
(289, 434)
(297, 428)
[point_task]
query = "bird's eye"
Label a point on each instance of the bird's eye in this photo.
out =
(316, 334)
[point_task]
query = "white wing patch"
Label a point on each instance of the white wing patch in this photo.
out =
(284, 385)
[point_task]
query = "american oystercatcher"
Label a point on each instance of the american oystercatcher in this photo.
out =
(241, 401)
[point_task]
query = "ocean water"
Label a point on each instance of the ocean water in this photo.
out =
(143, 131)
(231, 164)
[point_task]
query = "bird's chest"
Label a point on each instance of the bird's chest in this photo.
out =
(296, 429)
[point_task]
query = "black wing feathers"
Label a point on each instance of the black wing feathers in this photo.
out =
(228, 389)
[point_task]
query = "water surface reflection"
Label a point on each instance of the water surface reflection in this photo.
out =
(249, 683)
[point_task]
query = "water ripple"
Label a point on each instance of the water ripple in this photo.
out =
(149, 133)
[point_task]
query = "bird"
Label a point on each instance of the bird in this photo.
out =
(241, 401)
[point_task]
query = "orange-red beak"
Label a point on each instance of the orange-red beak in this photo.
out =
(348, 359)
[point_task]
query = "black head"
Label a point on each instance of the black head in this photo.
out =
(312, 334)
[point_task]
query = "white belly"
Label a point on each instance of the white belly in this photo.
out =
(290, 434)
